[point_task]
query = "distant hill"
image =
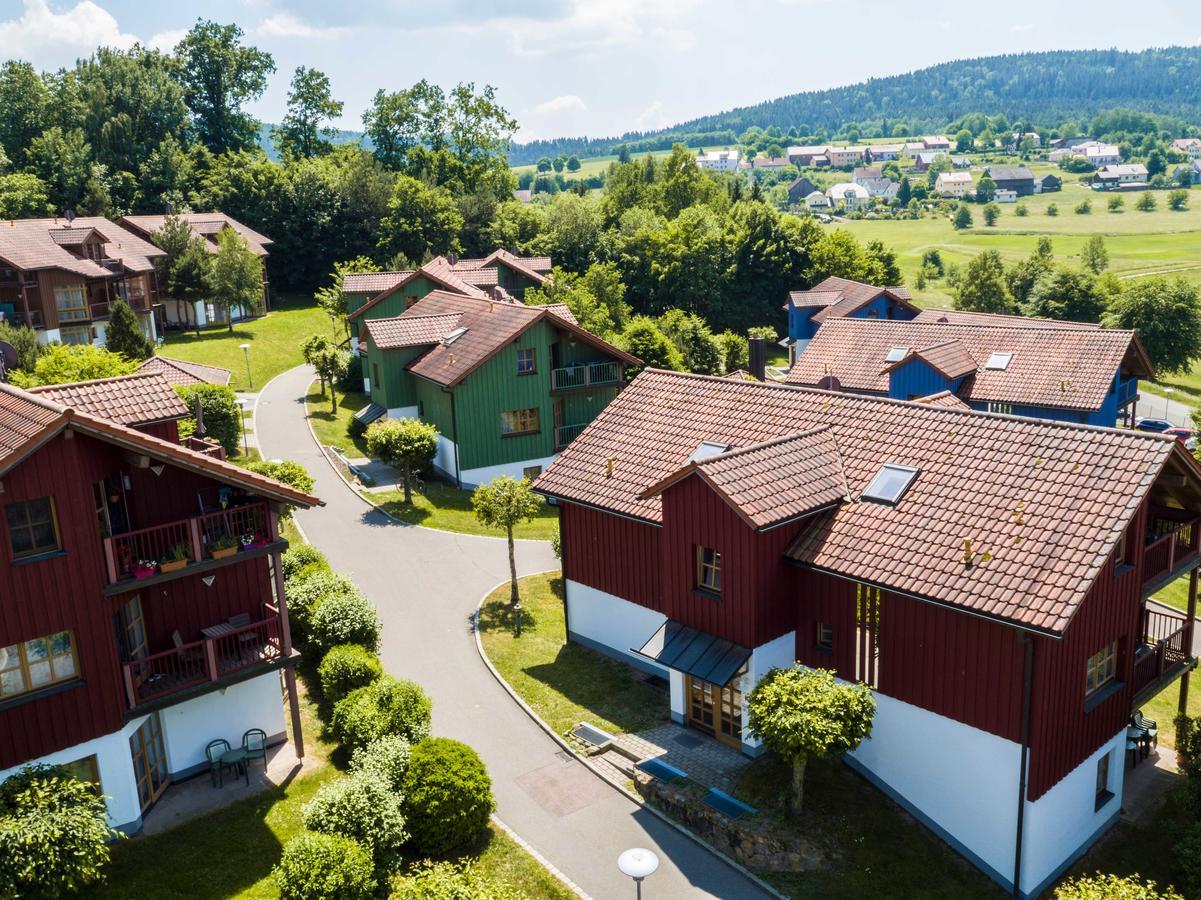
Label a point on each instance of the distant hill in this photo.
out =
(342, 137)
(1046, 88)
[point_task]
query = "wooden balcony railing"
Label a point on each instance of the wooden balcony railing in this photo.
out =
(207, 446)
(584, 375)
(99, 310)
(1171, 550)
(1166, 643)
(201, 662)
(126, 553)
(1127, 390)
(565, 434)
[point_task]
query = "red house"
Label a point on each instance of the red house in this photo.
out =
(142, 611)
(986, 574)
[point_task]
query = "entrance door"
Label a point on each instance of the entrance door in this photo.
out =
(716, 710)
(149, 761)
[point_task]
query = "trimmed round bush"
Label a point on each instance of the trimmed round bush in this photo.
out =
(386, 759)
(306, 592)
(317, 866)
(449, 881)
(344, 619)
(303, 558)
(364, 809)
(447, 796)
(387, 706)
(346, 668)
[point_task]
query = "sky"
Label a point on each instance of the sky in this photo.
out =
(593, 67)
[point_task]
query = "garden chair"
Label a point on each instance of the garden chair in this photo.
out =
(247, 640)
(194, 655)
(213, 751)
(1148, 726)
(254, 744)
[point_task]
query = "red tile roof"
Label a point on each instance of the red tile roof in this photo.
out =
(137, 399)
(437, 270)
(33, 244)
(205, 225)
(943, 398)
(843, 297)
(532, 266)
(373, 282)
(950, 358)
(1051, 367)
(1009, 517)
(184, 372)
(478, 277)
(946, 315)
(410, 331)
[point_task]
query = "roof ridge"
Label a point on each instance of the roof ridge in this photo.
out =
(39, 388)
(1066, 326)
(759, 445)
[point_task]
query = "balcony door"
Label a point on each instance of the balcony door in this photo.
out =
(111, 511)
(149, 761)
(716, 710)
(131, 632)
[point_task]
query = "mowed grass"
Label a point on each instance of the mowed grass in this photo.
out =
(564, 683)
(594, 165)
(274, 340)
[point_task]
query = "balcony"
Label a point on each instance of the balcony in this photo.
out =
(1163, 654)
(193, 666)
(565, 434)
(204, 445)
(98, 310)
(1127, 391)
(1172, 553)
(583, 375)
(156, 552)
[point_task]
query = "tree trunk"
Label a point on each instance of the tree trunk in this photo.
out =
(798, 784)
(333, 399)
(407, 477)
(513, 598)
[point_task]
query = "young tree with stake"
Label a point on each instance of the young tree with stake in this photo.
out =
(408, 444)
(504, 503)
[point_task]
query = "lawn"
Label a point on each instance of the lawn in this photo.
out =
(274, 340)
(436, 504)
(564, 683)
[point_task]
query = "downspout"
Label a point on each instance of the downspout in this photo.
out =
(1023, 768)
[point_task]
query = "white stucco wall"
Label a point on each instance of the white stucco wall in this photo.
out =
(963, 779)
(405, 412)
(613, 623)
(228, 713)
(444, 456)
(679, 703)
(779, 653)
(473, 477)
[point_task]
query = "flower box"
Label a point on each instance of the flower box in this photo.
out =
(224, 552)
(172, 565)
(141, 572)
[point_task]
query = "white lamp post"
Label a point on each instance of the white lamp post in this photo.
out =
(638, 863)
(1166, 399)
(246, 353)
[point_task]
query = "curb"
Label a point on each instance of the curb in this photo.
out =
(695, 838)
(542, 860)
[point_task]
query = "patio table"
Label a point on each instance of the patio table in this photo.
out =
(237, 758)
(215, 631)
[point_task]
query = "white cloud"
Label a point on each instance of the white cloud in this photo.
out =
(651, 118)
(590, 27)
(286, 25)
(166, 41)
(48, 38)
(565, 103)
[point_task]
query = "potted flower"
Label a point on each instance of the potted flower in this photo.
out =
(144, 568)
(175, 558)
(223, 546)
(260, 539)
(247, 540)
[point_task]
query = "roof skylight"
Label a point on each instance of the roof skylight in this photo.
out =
(453, 335)
(890, 484)
(706, 449)
(999, 361)
(896, 354)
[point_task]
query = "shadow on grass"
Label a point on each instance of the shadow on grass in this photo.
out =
(501, 616)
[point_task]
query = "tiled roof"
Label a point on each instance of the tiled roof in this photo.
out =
(533, 267)
(562, 311)
(184, 372)
(946, 315)
(814, 297)
(842, 297)
(32, 244)
(1051, 367)
(27, 419)
(1009, 173)
(775, 481)
(437, 270)
(943, 398)
(206, 225)
(1042, 503)
(137, 399)
(950, 358)
(372, 282)
(479, 277)
(410, 331)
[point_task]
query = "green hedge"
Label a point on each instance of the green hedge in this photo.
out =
(447, 796)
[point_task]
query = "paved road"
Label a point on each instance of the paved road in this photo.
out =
(426, 585)
(1155, 407)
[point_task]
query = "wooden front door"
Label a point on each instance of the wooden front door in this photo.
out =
(716, 710)
(149, 761)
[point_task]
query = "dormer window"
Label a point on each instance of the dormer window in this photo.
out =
(896, 354)
(999, 362)
(890, 484)
(707, 449)
(708, 570)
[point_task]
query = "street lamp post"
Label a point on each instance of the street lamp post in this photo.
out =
(638, 863)
(246, 353)
(1166, 400)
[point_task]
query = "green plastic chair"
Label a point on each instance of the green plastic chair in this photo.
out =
(254, 744)
(213, 752)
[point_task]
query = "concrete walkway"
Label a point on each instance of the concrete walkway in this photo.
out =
(426, 585)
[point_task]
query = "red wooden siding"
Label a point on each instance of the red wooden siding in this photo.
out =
(612, 554)
(167, 431)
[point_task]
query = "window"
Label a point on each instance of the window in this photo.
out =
(519, 421)
(531, 472)
(525, 361)
(75, 334)
(71, 303)
(1101, 670)
(825, 636)
(375, 379)
(453, 336)
(896, 354)
(1122, 558)
(36, 664)
(32, 528)
(708, 570)
(1104, 794)
(706, 449)
(995, 406)
(86, 770)
(999, 361)
(890, 484)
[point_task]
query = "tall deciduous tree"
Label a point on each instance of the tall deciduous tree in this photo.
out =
(1094, 256)
(24, 108)
(1166, 315)
(220, 75)
(643, 339)
(408, 444)
(801, 713)
(1064, 294)
(235, 276)
(305, 130)
(421, 221)
(506, 503)
(982, 285)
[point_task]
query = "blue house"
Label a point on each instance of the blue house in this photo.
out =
(1084, 374)
(841, 298)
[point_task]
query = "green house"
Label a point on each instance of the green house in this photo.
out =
(515, 274)
(507, 386)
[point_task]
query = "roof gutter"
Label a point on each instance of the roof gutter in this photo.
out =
(551, 495)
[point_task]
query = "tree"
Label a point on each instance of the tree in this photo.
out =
(596, 298)
(331, 298)
(1166, 315)
(24, 340)
(183, 269)
(407, 444)
(505, 503)
(904, 191)
(801, 713)
(62, 363)
(982, 285)
(421, 221)
(235, 276)
(694, 339)
(305, 130)
(399, 122)
(1083, 208)
(1177, 200)
(124, 334)
(331, 365)
(986, 189)
(1094, 256)
(24, 108)
(1116, 204)
(991, 212)
(963, 218)
(1146, 202)
(1052, 209)
(219, 76)
(23, 196)
(544, 164)
(964, 141)
(1068, 295)
(573, 164)
(220, 410)
(288, 471)
(643, 339)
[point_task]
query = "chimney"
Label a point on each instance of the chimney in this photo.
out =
(758, 358)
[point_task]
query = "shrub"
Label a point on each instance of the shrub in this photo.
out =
(53, 836)
(449, 881)
(319, 866)
(345, 668)
(387, 706)
(302, 559)
(1146, 202)
(1052, 210)
(1083, 208)
(352, 378)
(1021, 210)
(222, 415)
(1112, 887)
(1115, 204)
(288, 471)
(344, 619)
(306, 593)
(60, 363)
(447, 796)
(1178, 200)
(1187, 851)
(386, 759)
(364, 809)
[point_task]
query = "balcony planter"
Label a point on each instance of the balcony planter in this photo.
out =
(224, 552)
(144, 571)
(172, 565)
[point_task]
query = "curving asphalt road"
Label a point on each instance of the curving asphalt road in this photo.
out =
(426, 585)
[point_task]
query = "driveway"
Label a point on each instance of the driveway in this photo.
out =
(426, 585)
